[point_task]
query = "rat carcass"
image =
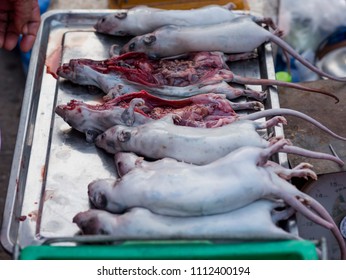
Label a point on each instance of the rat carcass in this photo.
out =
(143, 19)
(236, 36)
(162, 138)
(203, 110)
(229, 183)
(195, 73)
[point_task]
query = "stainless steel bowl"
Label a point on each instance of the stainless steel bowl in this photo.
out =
(334, 62)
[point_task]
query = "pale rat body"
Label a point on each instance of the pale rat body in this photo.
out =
(143, 19)
(232, 182)
(256, 221)
(237, 36)
(127, 161)
(161, 138)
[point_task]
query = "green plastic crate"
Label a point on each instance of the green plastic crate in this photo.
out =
(180, 250)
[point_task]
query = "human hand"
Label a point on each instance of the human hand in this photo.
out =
(19, 17)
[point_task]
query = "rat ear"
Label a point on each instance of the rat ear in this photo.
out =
(149, 39)
(121, 15)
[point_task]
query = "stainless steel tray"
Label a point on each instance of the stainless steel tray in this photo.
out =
(52, 163)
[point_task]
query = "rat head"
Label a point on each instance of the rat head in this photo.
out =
(144, 44)
(66, 71)
(163, 42)
(114, 139)
(76, 71)
(81, 117)
(125, 162)
(114, 24)
(93, 222)
(99, 192)
(122, 165)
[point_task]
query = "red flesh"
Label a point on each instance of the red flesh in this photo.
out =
(137, 67)
(207, 110)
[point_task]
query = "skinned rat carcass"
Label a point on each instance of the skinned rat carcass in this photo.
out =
(232, 182)
(161, 138)
(188, 69)
(236, 36)
(142, 224)
(142, 19)
(203, 110)
(115, 84)
(196, 73)
(137, 67)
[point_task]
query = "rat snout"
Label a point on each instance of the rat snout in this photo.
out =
(60, 111)
(88, 221)
(99, 23)
(98, 198)
(77, 219)
(125, 162)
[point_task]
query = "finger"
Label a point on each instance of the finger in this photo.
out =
(22, 14)
(2, 33)
(9, 37)
(2, 39)
(28, 40)
(3, 17)
(25, 29)
(3, 27)
(10, 40)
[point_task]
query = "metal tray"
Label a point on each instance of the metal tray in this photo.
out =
(52, 163)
